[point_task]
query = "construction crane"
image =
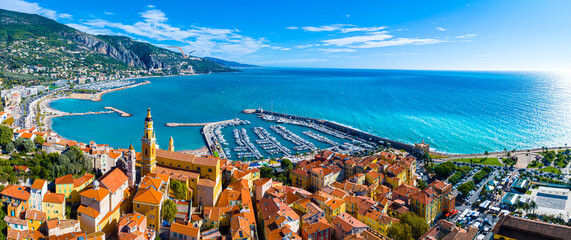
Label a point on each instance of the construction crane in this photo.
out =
(184, 55)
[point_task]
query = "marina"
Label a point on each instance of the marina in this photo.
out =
(214, 139)
(301, 143)
(269, 143)
(320, 138)
(288, 142)
(245, 149)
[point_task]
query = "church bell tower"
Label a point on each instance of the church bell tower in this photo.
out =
(148, 147)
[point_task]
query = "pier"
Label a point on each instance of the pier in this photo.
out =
(123, 113)
(186, 124)
(215, 141)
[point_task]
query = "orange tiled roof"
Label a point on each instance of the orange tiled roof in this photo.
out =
(15, 220)
(320, 225)
(35, 215)
(335, 203)
(27, 135)
(16, 191)
(237, 225)
(114, 155)
(98, 194)
(26, 234)
(135, 218)
(149, 195)
(422, 197)
(347, 222)
(206, 182)
(187, 230)
(202, 160)
(114, 179)
(261, 181)
(89, 211)
(67, 179)
(38, 184)
(80, 181)
(54, 198)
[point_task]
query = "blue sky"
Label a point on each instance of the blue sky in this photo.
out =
(453, 34)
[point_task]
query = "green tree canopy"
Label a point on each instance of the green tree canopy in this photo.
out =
(417, 224)
(267, 172)
(179, 190)
(286, 164)
(444, 170)
(25, 145)
(10, 147)
(169, 210)
(466, 187)
(400, 231)
(39, 140)
(6, 134)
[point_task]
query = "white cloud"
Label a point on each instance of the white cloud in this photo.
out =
(33, 8)
(280, 48)
(337, 50)
(344, 28)
(400, 54)
(108, 13)
(154, 15)
(307, 46)
(206, 41)
(151, 6)
(399, 42)
(378, 39)
(441, 29)
(467, 36)
(362, 29)
(325, 28)
(340, 42)
(89, 30)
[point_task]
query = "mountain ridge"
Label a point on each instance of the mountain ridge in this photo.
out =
(30, 40)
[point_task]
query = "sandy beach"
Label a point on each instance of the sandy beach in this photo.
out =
(96, 97)
(201, 151)
(51, 113)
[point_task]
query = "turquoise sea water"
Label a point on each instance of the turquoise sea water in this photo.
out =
(457, 112)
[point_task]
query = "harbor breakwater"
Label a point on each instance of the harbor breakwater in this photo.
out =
(342, 128)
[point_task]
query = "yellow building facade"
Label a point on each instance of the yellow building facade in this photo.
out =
(71, 187)
(53, 205)
(300, 179)
(206, 167)
(148, 161)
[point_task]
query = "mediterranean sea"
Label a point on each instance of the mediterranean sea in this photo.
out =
(454, 111)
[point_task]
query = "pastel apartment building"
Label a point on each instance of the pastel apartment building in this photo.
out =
(53, 205)
(70, 187)
(345, 225)
(101, 203)
(37, 191)
(148, 200)
(133, 226)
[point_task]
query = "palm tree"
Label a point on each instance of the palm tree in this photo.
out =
(533, 206)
